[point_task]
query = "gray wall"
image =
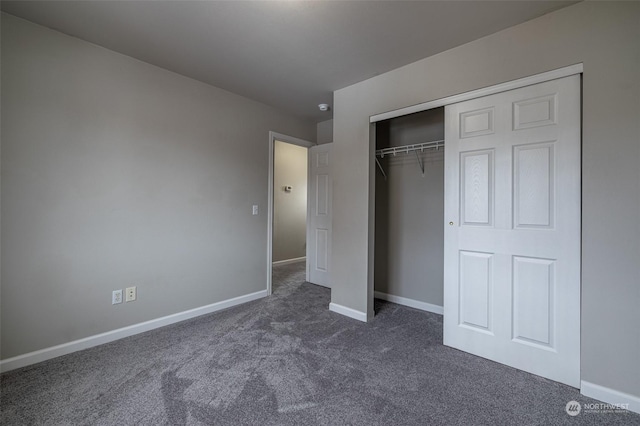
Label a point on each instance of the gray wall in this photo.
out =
(409, 237)
(325, 132)
(605, 36)
(289, 208)
(119, 173)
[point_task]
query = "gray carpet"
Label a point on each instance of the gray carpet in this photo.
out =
(287, 360)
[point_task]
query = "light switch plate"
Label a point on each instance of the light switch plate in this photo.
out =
(116, 297)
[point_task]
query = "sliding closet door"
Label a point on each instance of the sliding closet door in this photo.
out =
(512, 228)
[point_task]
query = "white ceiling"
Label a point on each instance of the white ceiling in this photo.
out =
(289, 54)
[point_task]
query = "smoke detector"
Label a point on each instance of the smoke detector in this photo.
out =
(323, 107)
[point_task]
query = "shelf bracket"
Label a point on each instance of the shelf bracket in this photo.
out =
(381, 169)
(419, 162)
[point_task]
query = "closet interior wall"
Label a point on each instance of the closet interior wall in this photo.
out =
(409, 211)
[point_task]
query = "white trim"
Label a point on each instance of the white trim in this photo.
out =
(485, 91)
(99, 339)
(288, 261)
(307, 235)
(291, 139)
(273, 136)
(423, 306)
(610, 396)
(351, 313)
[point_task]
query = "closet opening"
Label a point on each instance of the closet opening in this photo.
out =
(409, 210)
(497, 238)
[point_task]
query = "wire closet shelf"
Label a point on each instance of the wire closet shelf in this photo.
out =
(406, 149)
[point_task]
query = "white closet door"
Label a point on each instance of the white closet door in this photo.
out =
(319, 215)
(512, 231)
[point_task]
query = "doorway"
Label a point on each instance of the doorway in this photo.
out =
(287, 209)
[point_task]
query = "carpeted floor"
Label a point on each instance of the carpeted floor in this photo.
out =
(287, 360)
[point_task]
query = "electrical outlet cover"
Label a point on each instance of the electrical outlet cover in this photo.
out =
(130, 294)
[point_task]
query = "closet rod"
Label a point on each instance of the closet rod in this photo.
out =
(405, 149)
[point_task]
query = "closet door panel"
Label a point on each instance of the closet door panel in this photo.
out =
(512, 201)
(477, 190)
(476, 281)
(476, 123)
(534, 171)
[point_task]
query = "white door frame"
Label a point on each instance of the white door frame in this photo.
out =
(273, 137)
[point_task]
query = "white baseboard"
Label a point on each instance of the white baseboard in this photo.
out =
(351, 313)
(610, 396)
(288, 261)
(423, 306)
(99, 339)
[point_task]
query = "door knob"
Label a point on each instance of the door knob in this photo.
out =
(451, 223)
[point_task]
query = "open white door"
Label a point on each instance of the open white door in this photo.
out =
(512, 231)
(319, 215)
